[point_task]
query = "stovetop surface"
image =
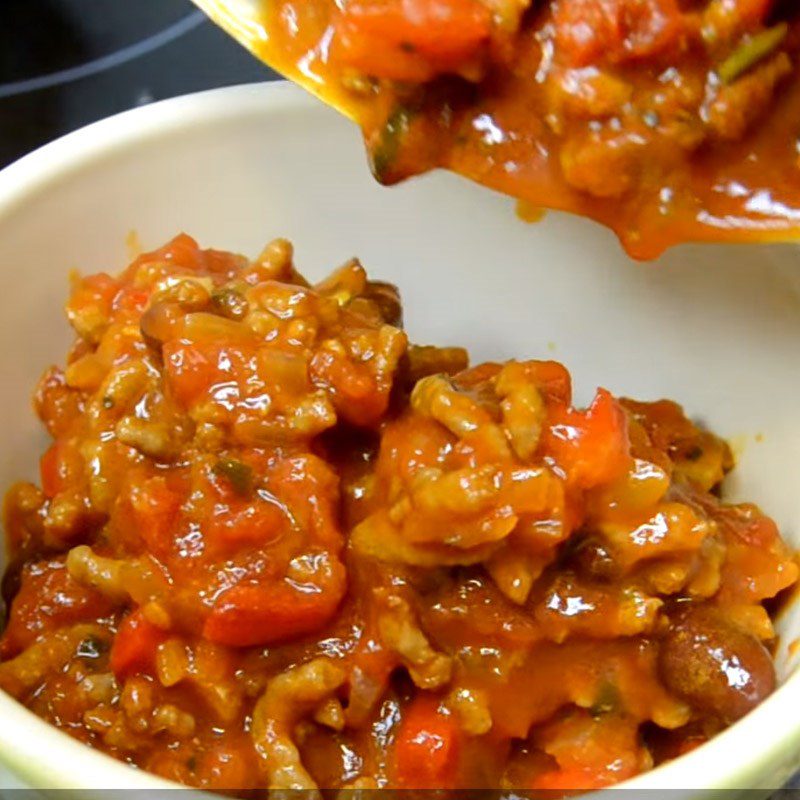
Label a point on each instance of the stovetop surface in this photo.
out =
(66, 63)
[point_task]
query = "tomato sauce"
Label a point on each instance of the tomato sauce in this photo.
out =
(274, 545)
(666, 120)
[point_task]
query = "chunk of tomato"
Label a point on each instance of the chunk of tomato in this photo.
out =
(135, 646)
(749, 12)
(192, 369)
(59, 467)
(591, 446)
(566, 780)
(427, 746)
(248, 615)
(615, 30)
(155, 507)
(48, 599)
(410, 40)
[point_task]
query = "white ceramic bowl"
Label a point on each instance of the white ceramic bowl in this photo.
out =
(716, 328)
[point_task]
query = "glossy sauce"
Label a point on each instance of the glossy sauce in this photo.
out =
(664, 121)
(273, 545)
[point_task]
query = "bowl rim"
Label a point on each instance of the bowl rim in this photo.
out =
(735, 759)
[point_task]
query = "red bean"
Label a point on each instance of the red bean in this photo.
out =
(715, 666)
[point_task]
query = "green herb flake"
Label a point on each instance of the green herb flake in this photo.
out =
(606, 701)
(748, 54)
(238, 474)
(695, 454)
(385, 151)
(229, 302)
(91, 647)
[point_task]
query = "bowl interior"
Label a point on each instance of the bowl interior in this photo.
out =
(715, 328)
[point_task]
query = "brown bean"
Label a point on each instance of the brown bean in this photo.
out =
(594, 558)
(159, 321)
(230, 303)
(718, 668)
(387, 298)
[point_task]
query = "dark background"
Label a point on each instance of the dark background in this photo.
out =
(66, 63)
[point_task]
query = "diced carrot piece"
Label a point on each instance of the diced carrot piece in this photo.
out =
(135, 645)
(427, 746)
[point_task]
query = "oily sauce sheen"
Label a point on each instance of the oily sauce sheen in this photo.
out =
(274, 545)
(666, 120)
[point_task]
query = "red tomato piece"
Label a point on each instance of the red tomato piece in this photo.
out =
(568, 780)
(183, 250)
(48, 598)
(591, 446)
(256, 523)
(249, 615)
(135, 645)
(552, 379)
(59, 467)
(746, 522)
(751, 12)
(132, 299)
(353, 389)
(427, 746)
(99, 289)
(189, 370)
(309, 488)
(155, 508)
(410, 40)
(615, 30)
(95, 294)
(230, 764)
(193, 369)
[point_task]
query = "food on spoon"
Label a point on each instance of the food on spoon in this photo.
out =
(667, 121)
(274, 545)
